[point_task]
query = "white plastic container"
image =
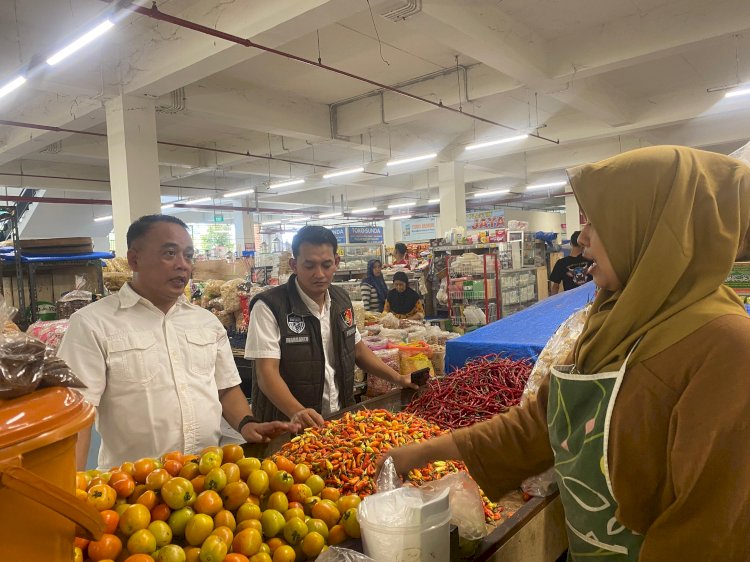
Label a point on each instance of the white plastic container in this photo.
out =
(418, 532)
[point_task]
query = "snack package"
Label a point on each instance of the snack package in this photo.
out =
(377, 386)
(415, 356)
(212, 289)
(438, 359)
(556, 352)
(230, 294)
(390, 321)
(49, 332)
(73, 300)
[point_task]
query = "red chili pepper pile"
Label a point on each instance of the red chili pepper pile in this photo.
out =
(344, 452)
(482, 388)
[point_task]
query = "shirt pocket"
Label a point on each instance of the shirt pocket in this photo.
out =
(127, 356)
(201, 350)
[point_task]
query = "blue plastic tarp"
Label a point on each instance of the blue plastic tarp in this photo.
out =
(523, 334)
(59, 257)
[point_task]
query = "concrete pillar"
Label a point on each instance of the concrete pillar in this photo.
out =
(572, 216)
(452, 195)
(244, 228)
(133, 163)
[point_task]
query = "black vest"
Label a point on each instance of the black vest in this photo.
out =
(302, 364)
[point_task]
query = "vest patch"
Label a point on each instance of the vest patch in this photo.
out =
(296, 323)
(351, 332)
(348, 317)
(300, 339)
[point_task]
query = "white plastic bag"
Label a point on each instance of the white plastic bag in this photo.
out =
(338, 554)
(467, 509)
(541, 485)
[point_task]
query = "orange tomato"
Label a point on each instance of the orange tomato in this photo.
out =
(189, 470)
(247, 542)
(351, 523)
(123, 483)
(327, 511)
(137, 491)
(283, 463)
(275, 543)
(261, 557)
(213, 449)
(269, 467)
(232, 453)
(330, 494)
(142, 541)
(225, 533)
(173, 467)
(178, 520)
(173, 456)
(247, 465)
(198, 528)
(284, 553)
(199, 483)
(281, 481)
(209, 460)
(134, 518)
(213, 549)
(162, 533)
(232, 471)
(148, 498)
(236, 557)
(160, 512)
(298, 493)
(192, 554)
(111, 519)
(128, 467)
(347, 502)
(249, 524)
(142, 468)
(139, 558)
(313, 543)
(225, 518)
(178, 493)
(102, 496)
(208, 502)
(82, 481)
(108, 547)
(234, 495)
(82, 495)
(278, 501)
(157, 478)
(336, 535)
(301, 473)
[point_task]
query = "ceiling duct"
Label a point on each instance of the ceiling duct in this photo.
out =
(406, 8)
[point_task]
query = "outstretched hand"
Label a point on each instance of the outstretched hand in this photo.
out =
(264, 432)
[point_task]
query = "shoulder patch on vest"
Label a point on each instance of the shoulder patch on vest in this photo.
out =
(296, 323)
(348, 317)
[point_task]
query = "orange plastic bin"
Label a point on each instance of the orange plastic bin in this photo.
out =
(38, 507)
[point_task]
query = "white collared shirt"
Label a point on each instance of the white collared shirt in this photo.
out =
(263, 337)
(153, 377)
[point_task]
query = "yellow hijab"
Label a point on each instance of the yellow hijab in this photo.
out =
(672, 220)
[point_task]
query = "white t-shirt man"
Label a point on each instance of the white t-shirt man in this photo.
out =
(154, 378)
(263, 337)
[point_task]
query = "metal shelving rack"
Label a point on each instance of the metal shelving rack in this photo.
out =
(474, 284)
(9, 214)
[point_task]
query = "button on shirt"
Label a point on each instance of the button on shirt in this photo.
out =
(263, 337)
(153, 377)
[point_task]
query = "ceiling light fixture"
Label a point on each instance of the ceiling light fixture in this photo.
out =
(81, 42)
(495, 142)
(366, 210)
(239, 193)
(285, 183)
(546, 185)
(400, 205)
(199, 200)
(271, 223)
(12, 85)
(433, 201)
(491, 193)
(343, 173)
(167, 206)
(741, 92)
(300, 219)
(399, 217)
(329, 215)
(101, 219)
(410, 160)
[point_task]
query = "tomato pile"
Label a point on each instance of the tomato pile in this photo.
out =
(218, 506)
(344, 451)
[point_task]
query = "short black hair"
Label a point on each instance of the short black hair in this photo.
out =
(574, 238)
(140, 228)
(401, 276)
(401, 248)
(315, 235)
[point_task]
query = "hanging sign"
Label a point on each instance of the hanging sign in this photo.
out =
(485, 220)
(365, 234)
(340, 233)
(417, 230)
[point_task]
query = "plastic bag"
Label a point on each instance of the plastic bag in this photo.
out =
(467, 509)
(389, 321)
(388, 479)
(556, 352)
(338, 554)
(73, 300)
(541, 485)
(377, 386)
(212, 288)
(415, 356)
(438, 359)
(230, 294)
(49, 332)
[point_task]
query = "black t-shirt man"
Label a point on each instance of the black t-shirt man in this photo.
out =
(570, 270)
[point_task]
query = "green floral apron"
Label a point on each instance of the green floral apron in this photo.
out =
(578, 416)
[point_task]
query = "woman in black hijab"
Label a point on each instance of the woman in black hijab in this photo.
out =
(403, 301)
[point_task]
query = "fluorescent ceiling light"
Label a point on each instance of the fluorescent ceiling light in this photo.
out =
(270, 223)
(547, 185)
(433, 201)
(285, 183)
(81, 42)
(399, 205)
(410, 160)
(494, 142)
(12, 85)
(399, 217)
(167, 206)
(300, 219)
(329, 215)
(491, 193)
(735, 93)
(100, 219)
(238, 193)
(343, 173)
(200, 200)
(367, 210)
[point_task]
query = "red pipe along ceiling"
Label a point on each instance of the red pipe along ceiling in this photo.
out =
(153, 12)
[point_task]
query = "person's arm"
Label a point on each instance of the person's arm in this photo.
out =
(386, 307)
(368, 298)
(554, 288)
(263, 337)
(81, 351)
(277, 391)
(556, 278)
(234, 408)
(373, 365)
(417, 312)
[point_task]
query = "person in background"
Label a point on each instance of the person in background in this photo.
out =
(570, 271)
(400, 255)
(158, 369)
(648, 429)
(403, 301)
(304, 340)
(373, 288)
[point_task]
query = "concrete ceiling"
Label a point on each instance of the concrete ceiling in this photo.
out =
(602, 76)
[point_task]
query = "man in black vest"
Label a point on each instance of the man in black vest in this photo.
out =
(304, 341)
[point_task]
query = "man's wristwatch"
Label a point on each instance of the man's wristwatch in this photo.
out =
(244, 421)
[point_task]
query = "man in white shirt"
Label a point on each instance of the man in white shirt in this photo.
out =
(304, 341)
(158, 369)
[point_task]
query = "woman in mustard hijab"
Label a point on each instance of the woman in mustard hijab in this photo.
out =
(649, 428)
